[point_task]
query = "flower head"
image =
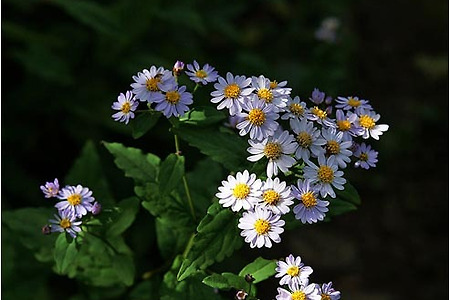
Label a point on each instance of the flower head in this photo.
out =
(265, 93)
(327, 292)
(76, 200)
(66, 221)
(96, 208)
(260, 227)
(292, 271)
(174, 101)
(310, 209)
(320, 116)
(345, 123)
(276, 196)
(317, 96)
(335, 146)
(148, 83)
(280, 87)
(367, 157)
(351, 102)
(308, 138)
(294, 109)
(325, 175)
(202, 75)
(367, 121)
(299, 292)
(126, 105)
(50, 189)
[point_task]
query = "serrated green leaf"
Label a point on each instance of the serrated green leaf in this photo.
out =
(226, 281)
(349, 194)
(171, 173)
(260, 269)
(143, 123)
(128, 209)
(65, 254)
(202, 116)
(171, 236)
(217, 237)
(124, 267)
(141, 167)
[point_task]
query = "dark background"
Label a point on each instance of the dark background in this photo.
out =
(64, 63)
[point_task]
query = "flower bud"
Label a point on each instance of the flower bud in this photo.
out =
(46, 229)
(178, 67)
(96, 208)
(328, 100)
(249, 278)
(329, 110)
(241, 295)
(317, 96)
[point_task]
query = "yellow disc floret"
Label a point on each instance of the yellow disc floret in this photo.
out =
(326, 174)
(74, 199)
(332, 147)
(363, 157)
(366, 122)
(173, 97)
(126, 107)
(304, 139)
(298, 295)
(152, 83)
(65, 223)
(325, 297)
(273, 84)
(353, 102)
(309, 199)
(293, 271)
(232, 91)
(271, 197)
(262, 226)
(241, 191)
(256, 116)
(201, 74)
(266, 95)
(344, 125)
(297, 109)
(319, 113)
(272, 150)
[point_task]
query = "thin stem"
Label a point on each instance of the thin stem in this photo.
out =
(104, 241)
(177, 145)
(195, 88)
(189, 245)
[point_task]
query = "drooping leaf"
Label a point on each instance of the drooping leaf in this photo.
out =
(65, 253)
(202, 116)
(171, 173)
(260, 269)
(143, 123)
(124, 217)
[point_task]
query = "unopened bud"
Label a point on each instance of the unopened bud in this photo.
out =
(96, 208)
(241, 295)
(328, 100)
(329, 110)
(46, 229)
(249, 278)
(178, 67)
(317, 96)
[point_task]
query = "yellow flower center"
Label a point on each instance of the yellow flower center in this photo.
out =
(201, 74)
(266, 95)
(257, 117)
(304, 139)
(353, 102)
(344, 125)
(273, 84)
(272, 150)
(65, 223)
(325, 297)
(172, 97)
(363, 157)
(152, 83)
(318, 112)
(326, 174)
(293, 271)
(126, 107)
(241, 191)
(366, 121)
(232, 91)
(74, 199)
(298, 295)
(296, 109)
(332, 147)
(262, 226)
(309, 199)
(271, 197)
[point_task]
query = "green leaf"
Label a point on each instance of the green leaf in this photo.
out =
(226, 281)
(222, 146)
(127, 210)
(65, 254)
(202, 116)
(218, 236)
(143, 123)
(124, 267)
(141, 167)
(171, 236)
(349, 194)
(338, 207)
(260, 269)
(171, 173)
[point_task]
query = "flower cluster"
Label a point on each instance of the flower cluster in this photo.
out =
(75, 203)
(295, 277)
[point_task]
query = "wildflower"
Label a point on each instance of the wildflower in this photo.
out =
(230, 93)
(351, 102)
(277, 149)
(260, 227)
(240, 192)
(234, 120)
(174, 101)
(308, 138)
(317, 96)
(325, 175)
(66, 221)
(345, 123)
(276, 196)
(366, 156)
(126, 105)
(46, 229)
(96, 208)
(299, 292)
(268, 95)
(76, 199)
(178, 67)
(241, 295)
(310, 209)
(50, 189)
(294, 109)
(367, 121)
(259, 120)
(148, 83)
(201, 75)
(327, 292)
(293, 271)
(320, 116)
(279, 87)
(337, 147)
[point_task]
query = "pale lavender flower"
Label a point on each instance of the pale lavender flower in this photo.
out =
(50, 189)
(96, 208)
(234, 120)
(280, 87)
(296, 291)
(66, 221)
(295, 109)
(320, 116)
(308, 138)
(317, 96)
(126, 105)
(202, 75)
(325, 175)
(148, 83)
(345, 123)
(178, 67)
(367, 121)
(270, 96)
(326, 291)
(76, 199)
(336, 147)
(310, 209)
(292, 271)
(351, 102)
(174, 101)
(367, 157)
(276, 196)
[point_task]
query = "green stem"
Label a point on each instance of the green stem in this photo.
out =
(177, 145)
(188, 245)
(104, 241)
(195, 88)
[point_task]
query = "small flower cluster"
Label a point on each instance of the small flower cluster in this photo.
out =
(295, 277)
(75, 203)
(159, 89)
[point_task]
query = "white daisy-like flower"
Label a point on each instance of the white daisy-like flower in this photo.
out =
(174, 101)
(230, 93)
(270, 96)
(295, 109)
(325, 175)
(260, 227)
(76, 200)
(148, 83)
(308, 137)
(66, 221)
(367, 121)
(367, 157)
(277, 149)
(276, 196)
(337, 147)
(299, 292)
(327, 292)
(126, 105)
(202, 75)
(345, 123)
(259, 119)
(242, 191)
(280, 87)
(292, 271)
(320, 116)
(347, 103)
(310, 209)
